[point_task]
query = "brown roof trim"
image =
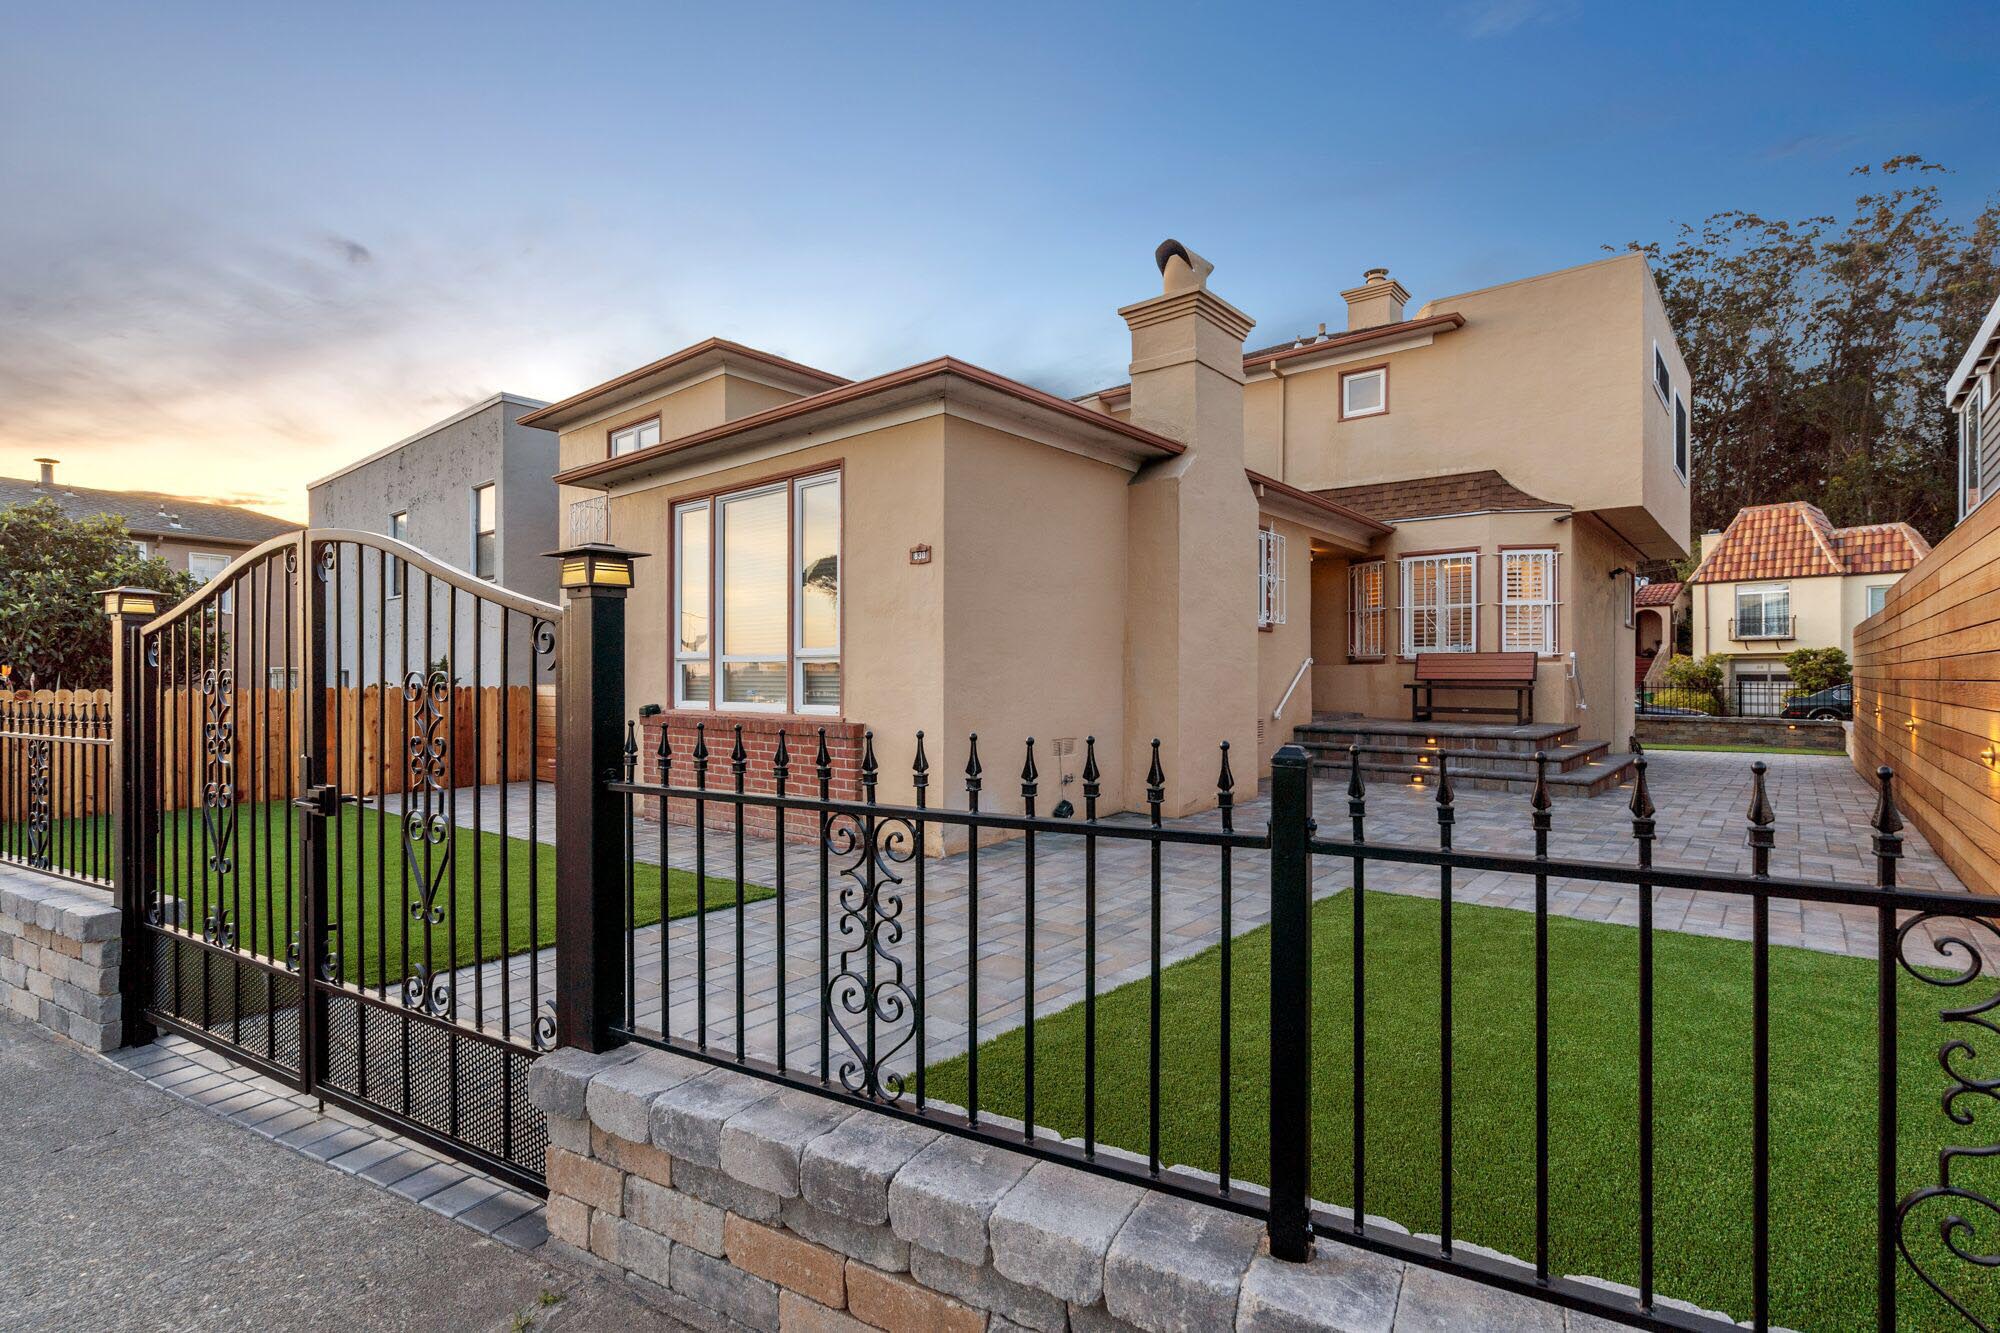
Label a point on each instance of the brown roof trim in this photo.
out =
(1286, 352)
(1319, 502)
(668, 362)
(847, 393)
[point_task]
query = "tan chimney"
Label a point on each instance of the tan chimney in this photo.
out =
(48, 471)
(1378, 300)
(1191, 633)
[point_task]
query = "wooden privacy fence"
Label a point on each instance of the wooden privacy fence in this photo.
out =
(495, 734)
(54, 737)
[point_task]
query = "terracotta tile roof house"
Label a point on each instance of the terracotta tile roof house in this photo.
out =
(1658, 594)
(1781, 577)
(1214, 551)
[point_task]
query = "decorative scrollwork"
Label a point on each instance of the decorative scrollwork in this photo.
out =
(435, 994)
(1956, 1231)
(545, 1027)
(869, 986)
(427, 840)
(542, 635)
(41, 753)
(218, 746)
(219, 929)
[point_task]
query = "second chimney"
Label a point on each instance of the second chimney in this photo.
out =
(1378, 300)
(48, 472)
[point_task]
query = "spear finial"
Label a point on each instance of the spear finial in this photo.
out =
(1762, 836)
(920, 769)
(1156, 782)
(1447, 813)
(973, 768)
(869, 768)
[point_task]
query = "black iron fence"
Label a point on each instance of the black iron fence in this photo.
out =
(1746, 696)
(55, 776)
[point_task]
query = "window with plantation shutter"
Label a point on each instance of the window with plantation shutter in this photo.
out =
(1528, 602)
(1440, 603)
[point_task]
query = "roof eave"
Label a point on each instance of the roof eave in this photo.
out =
(578, 406)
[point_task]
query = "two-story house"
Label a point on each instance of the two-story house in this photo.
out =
(1973, 395)
(1781, 577)
(1212, 552)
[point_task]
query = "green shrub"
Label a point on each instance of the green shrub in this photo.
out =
(1816, 669)
(1699, 674)
(1701, 701)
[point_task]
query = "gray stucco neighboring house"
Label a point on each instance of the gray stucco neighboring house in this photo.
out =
(475, 491)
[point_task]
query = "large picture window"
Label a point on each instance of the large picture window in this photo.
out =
(1367, 594)
(1528, 602)
(1440, 604)
(757, 598)
(1764, 613)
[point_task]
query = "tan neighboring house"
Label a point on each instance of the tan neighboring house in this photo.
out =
(1781, 577)
(1212, 552)
(198, 536)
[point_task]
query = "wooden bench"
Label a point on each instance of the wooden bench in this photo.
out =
(1473, 671)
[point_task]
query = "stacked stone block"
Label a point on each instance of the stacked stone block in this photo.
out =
(59, 955)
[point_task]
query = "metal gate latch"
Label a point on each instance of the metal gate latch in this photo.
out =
(322, 799)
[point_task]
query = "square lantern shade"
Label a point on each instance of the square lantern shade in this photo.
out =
(595, 565)
(130, 601)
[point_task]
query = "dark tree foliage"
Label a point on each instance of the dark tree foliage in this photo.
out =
(1819, 349)
(53, 633)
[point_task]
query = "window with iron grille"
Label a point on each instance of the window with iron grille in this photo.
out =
(1440, 603)
(1528, 601)
(1270, 577)
(1367, 608)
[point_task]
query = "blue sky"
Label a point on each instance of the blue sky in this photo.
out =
(246, 243)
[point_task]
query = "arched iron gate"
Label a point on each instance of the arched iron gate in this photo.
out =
(346, 799)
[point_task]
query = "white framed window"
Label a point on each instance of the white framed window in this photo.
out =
(1877, 598)
(205, 565)
(694, 683)
(1663, 380)
(1968, 457)
(1440, 603)
(1680, 435)
(1528, 601)
(757, 598)
(1367, 607)
(816, 595)
(399, 528)
(143, 549)
(1764, 613)
(1364, 393)
(1270, 578)
(638, 435)
(486, 531)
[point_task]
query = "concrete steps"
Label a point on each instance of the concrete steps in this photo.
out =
(1479, 757)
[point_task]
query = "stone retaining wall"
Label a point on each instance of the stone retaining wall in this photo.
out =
(59, 953)
(1778, 733)
(738, 1204)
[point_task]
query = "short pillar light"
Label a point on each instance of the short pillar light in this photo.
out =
(130, 601)
(597, 565)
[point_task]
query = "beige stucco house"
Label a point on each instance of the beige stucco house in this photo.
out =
(1781, 577)
(1214, 551)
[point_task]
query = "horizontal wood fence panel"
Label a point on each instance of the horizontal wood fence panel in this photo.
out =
(1927, 697)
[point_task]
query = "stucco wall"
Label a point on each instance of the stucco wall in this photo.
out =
(1282, 648)
(1828, 608)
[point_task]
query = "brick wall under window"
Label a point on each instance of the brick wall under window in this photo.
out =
(760, 746)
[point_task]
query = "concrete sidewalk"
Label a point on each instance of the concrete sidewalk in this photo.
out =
(128, 1208)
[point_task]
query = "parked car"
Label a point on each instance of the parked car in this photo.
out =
(1833, 705)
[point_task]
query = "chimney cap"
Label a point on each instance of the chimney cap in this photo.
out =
(48, 466)
(1376, 274)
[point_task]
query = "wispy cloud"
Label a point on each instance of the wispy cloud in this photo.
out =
(1811, 145)
(1496, 18)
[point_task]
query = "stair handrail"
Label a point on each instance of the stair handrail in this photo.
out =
(1297, 676)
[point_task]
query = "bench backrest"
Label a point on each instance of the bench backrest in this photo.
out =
(1478, 668)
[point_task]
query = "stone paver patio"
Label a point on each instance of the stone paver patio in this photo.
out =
(1823, 809)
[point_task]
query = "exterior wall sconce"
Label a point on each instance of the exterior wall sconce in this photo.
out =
(1986, 756)
(130, 601)
(595, 565)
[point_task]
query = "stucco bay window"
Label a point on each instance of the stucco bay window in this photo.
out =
(757, 598)
(1367, 608)
(1528, 601)
(1440, 603)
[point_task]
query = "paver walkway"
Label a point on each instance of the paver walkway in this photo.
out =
(1822, 806)
(136, 1206)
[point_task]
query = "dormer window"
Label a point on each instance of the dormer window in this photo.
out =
(1364, 393)
(639, 435)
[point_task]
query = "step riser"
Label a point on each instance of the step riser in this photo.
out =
(1612, 779)
(1505, 765)
(1313, 736)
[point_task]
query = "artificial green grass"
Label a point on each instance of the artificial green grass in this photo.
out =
(1750, 749)
(1822, 1099)
(369, 913)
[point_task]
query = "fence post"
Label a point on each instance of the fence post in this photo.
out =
(131, 817)
(590, 742)
(1291, 1004)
